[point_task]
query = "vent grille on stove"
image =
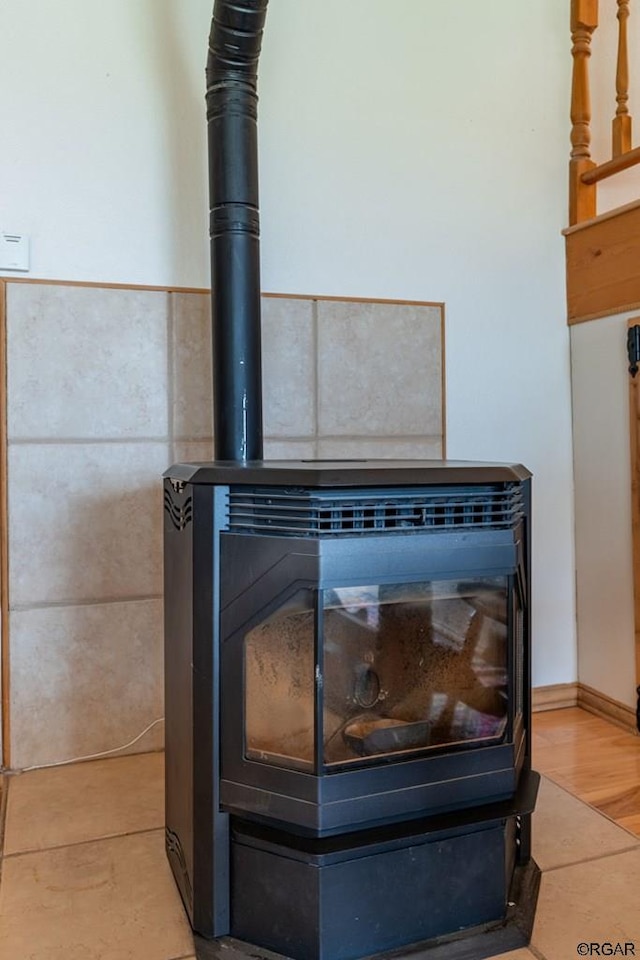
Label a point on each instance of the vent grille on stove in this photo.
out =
(305, 512)
(180, 514)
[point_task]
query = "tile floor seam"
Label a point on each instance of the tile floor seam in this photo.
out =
(82, 843)
(538, 954)
(602, 856)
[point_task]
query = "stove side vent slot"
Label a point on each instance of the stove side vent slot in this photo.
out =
(179, 509)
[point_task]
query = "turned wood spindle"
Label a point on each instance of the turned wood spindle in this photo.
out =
(621, 127)
(582, 197)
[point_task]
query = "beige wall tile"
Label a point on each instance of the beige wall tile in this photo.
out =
(84, 801)
(288, 366)
(85, 362)
(422, 448)
(379, 369)
(289, 450)
(566, 830)
(108, 900)
(85, 679)
(192, 389)
(85, 521)
(200, 451)
(287, 361)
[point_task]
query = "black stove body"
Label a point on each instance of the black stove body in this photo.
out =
(346, 652)
(348, 703)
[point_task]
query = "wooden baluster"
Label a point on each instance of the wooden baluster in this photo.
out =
(621, 128)
(582, 197)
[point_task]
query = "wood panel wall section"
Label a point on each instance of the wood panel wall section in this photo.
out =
(603, 264)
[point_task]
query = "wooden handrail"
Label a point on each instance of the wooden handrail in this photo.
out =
(611, 167)
(584, 173)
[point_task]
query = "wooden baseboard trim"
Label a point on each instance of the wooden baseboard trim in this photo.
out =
(557, 696)
(606, 707)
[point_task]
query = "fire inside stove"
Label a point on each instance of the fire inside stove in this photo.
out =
(405, 668)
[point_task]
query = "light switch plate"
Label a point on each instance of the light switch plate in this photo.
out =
(14, 251)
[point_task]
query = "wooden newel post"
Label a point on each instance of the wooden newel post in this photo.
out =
(621, 127)
(582, 197)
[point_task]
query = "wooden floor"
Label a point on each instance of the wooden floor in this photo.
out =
(592, 759)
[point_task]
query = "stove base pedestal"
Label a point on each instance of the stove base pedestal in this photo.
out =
(477, 943)
(447, 890)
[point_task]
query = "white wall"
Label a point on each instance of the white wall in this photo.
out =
(604, 560)
(603, 507)
(411, 150)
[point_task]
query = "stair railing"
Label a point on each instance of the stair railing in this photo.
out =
(584, 173)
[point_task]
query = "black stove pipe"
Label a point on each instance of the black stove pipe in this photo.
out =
(234, 226)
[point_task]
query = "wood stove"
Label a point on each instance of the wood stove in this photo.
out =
(347, 698)
(347, 654)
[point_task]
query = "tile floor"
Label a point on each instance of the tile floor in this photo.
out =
(84, 875)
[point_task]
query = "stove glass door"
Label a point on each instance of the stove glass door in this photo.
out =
(357, 675)
(279, 685)
(413, 667)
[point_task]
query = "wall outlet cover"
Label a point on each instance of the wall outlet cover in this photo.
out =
(14, 251)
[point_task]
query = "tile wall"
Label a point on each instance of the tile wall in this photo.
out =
(106, 388)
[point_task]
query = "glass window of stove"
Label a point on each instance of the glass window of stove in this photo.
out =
(413, 667)
(400, 669)
(279, 685)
